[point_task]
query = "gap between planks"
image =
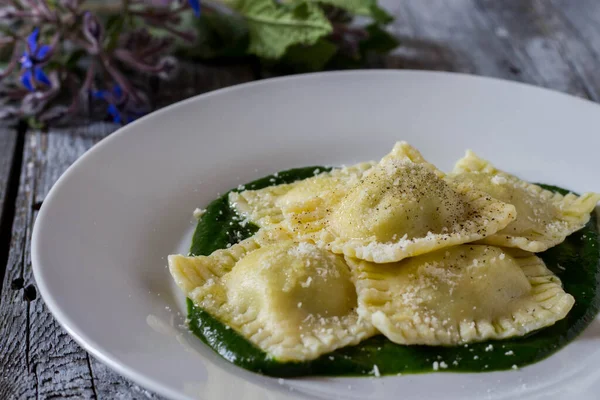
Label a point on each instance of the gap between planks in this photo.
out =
(11, 154)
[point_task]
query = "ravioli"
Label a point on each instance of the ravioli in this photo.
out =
(292, 300)
(466, 293)
(544, 218)
(401, 207)
(263, 207)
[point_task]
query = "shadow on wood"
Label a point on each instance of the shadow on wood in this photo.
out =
(192, 80)
(422, 54)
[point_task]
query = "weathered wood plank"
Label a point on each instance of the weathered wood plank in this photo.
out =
(39, 359)
(582, 17)
(522, 27)
(17, 378)
(8, 141)
(575, 26)
(196, 79)
(441, 35)
(62, 368)
(46, 361)
(500, 39)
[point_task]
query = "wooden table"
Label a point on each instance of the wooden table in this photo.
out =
(549, 43)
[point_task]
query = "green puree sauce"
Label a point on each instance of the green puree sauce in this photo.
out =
(575, 261)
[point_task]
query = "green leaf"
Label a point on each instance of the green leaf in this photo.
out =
(219, 35)
(274, 27)
(380, 15)
(310, 58)
(379, 40)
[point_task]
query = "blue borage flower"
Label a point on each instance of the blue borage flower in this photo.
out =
(32, 57)
(195, 5)
(112, 97)
(116, 99)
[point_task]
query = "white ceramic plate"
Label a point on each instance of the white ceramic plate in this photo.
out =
(101, 239)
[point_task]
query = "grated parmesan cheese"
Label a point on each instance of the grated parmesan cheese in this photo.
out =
(375, 371)
(198, 213)
(499, 180)
(307, 283)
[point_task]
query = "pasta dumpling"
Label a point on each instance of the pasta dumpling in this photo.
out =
(292, 300)
(401, 207)
(263, 206)
(544, 218)
(462, 294)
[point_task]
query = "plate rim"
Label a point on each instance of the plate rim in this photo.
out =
(63, 318)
